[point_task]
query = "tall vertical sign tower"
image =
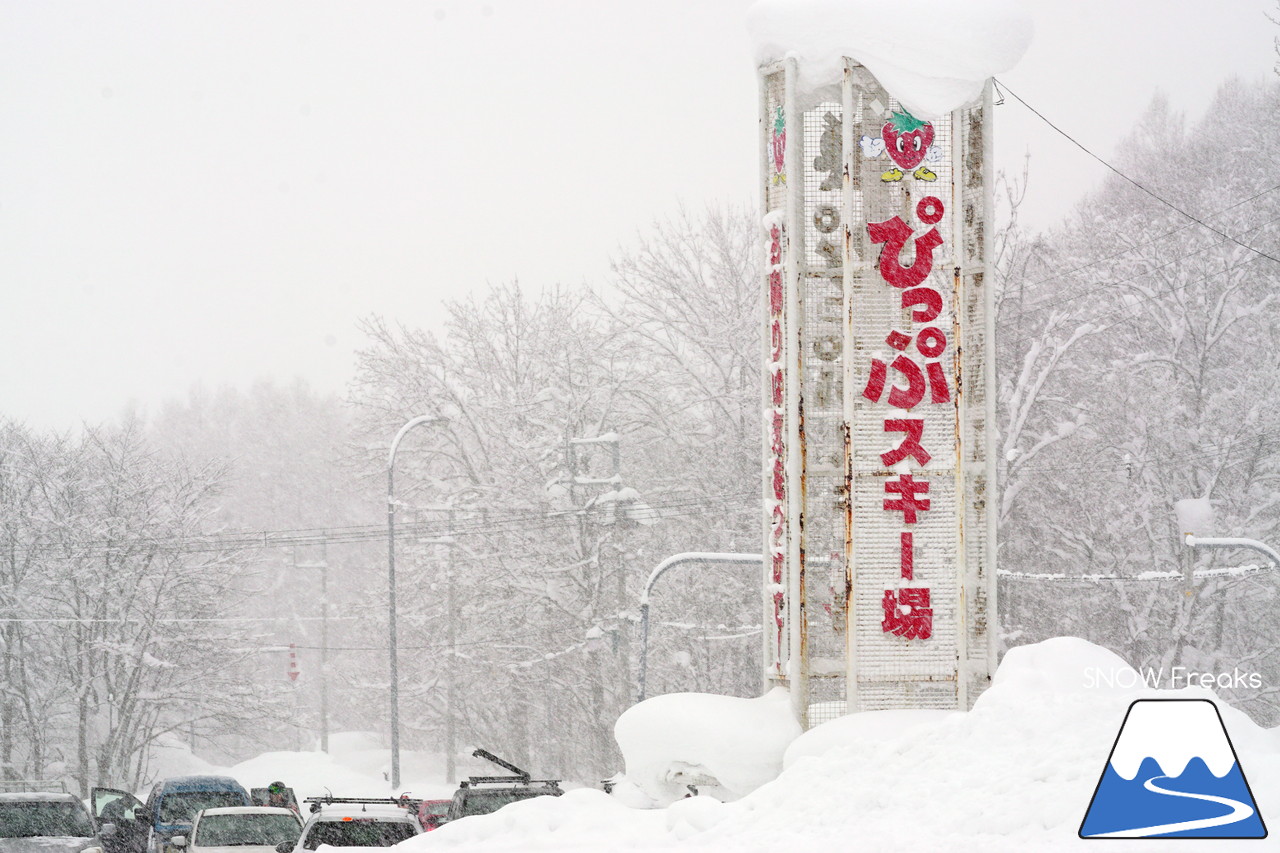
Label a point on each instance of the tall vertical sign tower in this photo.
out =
(879, 398)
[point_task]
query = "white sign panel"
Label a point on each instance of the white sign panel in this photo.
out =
(879, 553)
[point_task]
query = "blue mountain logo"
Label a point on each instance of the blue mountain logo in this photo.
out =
(1173, 773)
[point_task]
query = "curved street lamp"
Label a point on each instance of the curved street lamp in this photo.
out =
(391, 587)
(748, 560)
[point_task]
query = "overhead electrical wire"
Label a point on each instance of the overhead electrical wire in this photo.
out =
(1053, 303)
(1158, 237)
(1135, 183)
(251, 540)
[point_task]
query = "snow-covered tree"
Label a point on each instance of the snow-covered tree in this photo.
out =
(1168, 392)
(112, 636)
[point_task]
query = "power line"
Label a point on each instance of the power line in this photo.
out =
(1224, 572)
(1149, 192)
(135, 620)
(1258, 440)
(252, 540)
(1138, 301)
(1123, 252)
(1053, 303)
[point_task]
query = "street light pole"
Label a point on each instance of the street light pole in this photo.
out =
(747, 560)
(391, 592)
(1220, 542)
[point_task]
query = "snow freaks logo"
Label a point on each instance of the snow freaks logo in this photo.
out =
(1179, 676)
(1172, 773)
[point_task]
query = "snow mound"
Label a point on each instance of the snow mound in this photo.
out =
(725, 746)
(310, 774)
(1062, 665)
(903, 46)
(355, 766)
(1015, 774)
(547, 823)
(853, 730)
(172, 756)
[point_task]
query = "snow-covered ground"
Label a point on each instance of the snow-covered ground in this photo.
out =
(1014, 774)
(354, 766)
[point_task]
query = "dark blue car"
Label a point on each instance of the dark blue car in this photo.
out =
(168, 811)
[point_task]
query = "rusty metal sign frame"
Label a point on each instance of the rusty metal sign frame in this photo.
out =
(795, 604)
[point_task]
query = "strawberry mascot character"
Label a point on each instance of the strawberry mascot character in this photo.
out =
(907, 139)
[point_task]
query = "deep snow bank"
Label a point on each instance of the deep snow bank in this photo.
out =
(932, 55)
(355, 766)
(1014, 774)
(724, 745)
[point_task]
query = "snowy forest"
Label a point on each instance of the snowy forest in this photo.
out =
(155, 571)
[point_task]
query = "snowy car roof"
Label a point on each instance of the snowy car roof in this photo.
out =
(204, 782)
(248, 810)
(29, 796)
(337, 811)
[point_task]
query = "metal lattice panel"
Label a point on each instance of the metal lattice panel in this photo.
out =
(853, 573)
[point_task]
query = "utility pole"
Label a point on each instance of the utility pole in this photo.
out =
(442, 555)
(450, 733)
(323, 566)
(324, 647)
(591, 542)
(392, 662)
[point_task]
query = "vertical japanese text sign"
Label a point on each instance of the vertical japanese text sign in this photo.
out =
(879, 550)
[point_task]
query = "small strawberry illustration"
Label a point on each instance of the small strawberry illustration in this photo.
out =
(779, 146)
(907, 139)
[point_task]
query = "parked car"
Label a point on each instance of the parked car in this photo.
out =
(356, 822)
(433, 814)
(169, 810)
(240, 829)
(485, 794)
(46, 822)
(121, 820)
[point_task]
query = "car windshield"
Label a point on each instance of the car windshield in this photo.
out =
(484, 802)
(358, 832)
(24, 820)
(181, 806)
(440, 808)
(236, 830)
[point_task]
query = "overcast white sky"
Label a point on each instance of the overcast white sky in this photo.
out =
(218, 191)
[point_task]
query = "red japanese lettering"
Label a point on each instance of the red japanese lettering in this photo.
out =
(938, 390)
(907, 613)
(909, 397)
(875, 382)
(930, 210)
(908, 502)
(931, 342)
(929, 299)
(909, 446)
(895, 233)
(775, 292)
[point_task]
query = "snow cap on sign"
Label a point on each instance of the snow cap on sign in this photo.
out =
(934, 56)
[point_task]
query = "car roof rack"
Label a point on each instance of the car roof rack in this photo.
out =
(520, 777)
(404, 802)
